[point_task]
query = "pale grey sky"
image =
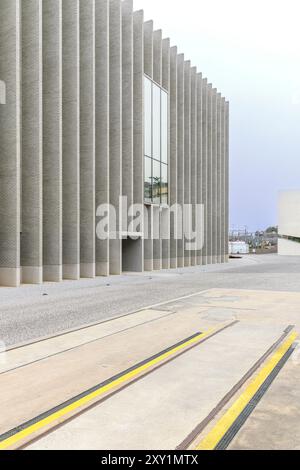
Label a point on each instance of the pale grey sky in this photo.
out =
(251, 52)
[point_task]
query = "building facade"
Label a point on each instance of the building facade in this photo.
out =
(114, 148)
(289, 224)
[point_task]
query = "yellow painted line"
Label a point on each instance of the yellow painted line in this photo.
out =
(58, 415)
(211, 441)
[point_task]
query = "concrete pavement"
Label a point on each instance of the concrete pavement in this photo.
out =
(163, 407)
(33, 312)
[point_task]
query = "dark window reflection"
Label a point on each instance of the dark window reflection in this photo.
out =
(148, 180)
(156, 193)
(164, 184)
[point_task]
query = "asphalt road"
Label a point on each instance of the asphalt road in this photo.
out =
(32, 312)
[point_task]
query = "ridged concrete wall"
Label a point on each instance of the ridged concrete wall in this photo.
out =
(72, 139)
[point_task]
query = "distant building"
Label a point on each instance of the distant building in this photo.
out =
(289, 223)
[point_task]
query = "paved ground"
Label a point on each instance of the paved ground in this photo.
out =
(37, 311)
(260, 294)
(161, 409)
(275, 423)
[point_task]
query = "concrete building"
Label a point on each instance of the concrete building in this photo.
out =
(289, 223)
(99, 105)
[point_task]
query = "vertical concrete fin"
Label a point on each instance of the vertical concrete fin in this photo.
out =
(102, 133)
(219, 176)
(115, 26)
(223, 195)
(32, 143)
(10, 144)
(166, 64)
(227, 168)
(209, 174)
(187, 157)
(214, 175)
(173, 156)
(87, 139)
(157, 77)
(127, 106)
(165, 213)
(138, 132)
(148, 211)
(52, 140)
(180, 154)
(71, 139)
(194, 163)
(148, 48)
(157, 56)
(199, 177)
(204, 172)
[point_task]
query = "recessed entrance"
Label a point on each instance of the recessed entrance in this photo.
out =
(132, 255)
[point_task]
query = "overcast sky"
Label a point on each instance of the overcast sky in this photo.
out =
(251, 52)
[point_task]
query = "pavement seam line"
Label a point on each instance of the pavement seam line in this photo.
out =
(6, 443)
(211, 441)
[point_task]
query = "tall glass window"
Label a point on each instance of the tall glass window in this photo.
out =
(156, 122)
(156, 181)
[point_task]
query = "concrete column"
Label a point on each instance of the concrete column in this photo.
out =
(157, 77)
(157, 243)
(102, 125)
(187, 155)
(52, 140)
(166, 64)
(227, 168)
(127, 104)
(200, 189)
(87, 139)
(148, 48)
(223, 196)
(173, 155)
(205, 183)
(115, 26)
(148, 214)
(32, 143)
(214, 175)
(219, 179)
(138, 131)
(157, 56)
(180, 151)
(10, 144)
(165, 214)
(71, 139)
(209, 175)
(194, 163)
(131, 247)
